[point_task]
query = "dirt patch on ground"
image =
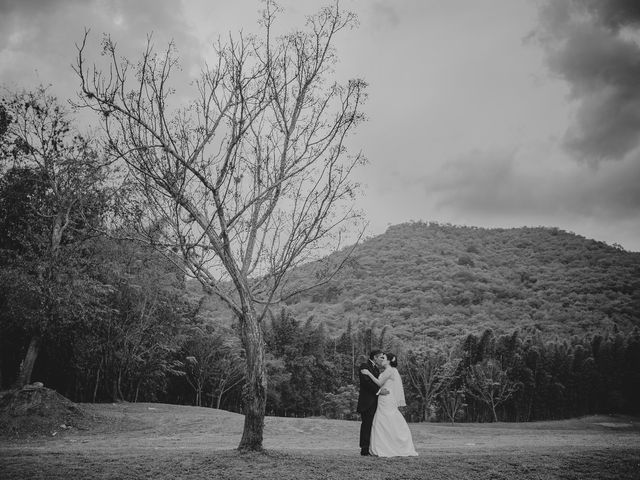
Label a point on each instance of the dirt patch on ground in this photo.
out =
(35, 411)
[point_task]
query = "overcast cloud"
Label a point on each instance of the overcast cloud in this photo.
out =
(593, 45)
(502, 113)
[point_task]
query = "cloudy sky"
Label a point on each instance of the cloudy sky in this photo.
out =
(494, 113)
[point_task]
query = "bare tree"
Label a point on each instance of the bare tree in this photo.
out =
(249, 179)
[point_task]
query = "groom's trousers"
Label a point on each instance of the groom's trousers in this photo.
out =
(365, 427)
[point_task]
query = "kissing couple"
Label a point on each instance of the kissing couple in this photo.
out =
(384, 431)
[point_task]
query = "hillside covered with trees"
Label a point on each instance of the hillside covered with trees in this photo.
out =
(434, 281)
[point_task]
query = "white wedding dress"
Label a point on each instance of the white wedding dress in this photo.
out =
(390, 434)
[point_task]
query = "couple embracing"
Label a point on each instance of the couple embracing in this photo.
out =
(384, 431)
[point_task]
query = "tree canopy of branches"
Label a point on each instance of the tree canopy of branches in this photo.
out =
(251, 177)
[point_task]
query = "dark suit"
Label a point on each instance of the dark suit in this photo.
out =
(367, 402)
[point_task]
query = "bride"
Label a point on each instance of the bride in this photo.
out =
(390, 434)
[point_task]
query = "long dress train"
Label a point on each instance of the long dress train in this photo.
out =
(390, 434)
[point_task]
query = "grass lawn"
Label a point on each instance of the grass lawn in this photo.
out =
(156, 441)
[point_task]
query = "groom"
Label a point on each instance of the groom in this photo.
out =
(368, 398)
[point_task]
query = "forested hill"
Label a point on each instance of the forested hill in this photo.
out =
(436, 281)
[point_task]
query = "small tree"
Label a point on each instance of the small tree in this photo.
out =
(212, 360)
(251, 178)
(490, 384)
(452, 403)
(230, 375)
(424, 371)
(451, 395)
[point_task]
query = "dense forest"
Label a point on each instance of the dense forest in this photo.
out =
(489, 324)
(429, 280)
(479, 377)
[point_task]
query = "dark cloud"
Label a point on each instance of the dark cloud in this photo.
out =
(588, 44)
(17, 15)
(505, 184)
(484, 182)
(611, 193)
(38, 37)
(30, 6)
(614, 13)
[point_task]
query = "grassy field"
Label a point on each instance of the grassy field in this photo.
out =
(156, 441)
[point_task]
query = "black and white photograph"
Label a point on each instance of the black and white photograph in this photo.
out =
(320, 239)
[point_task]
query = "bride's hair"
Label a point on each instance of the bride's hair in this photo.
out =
(393, 360)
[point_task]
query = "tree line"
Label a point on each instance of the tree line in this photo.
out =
(165, 351)
(480, 377)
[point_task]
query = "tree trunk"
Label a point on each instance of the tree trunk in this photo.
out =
(26, 367)
(117, 388)
(114, 391)
(95, 388)
(135, 399)
(353, 360)
(97, 385)
(255, 391)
